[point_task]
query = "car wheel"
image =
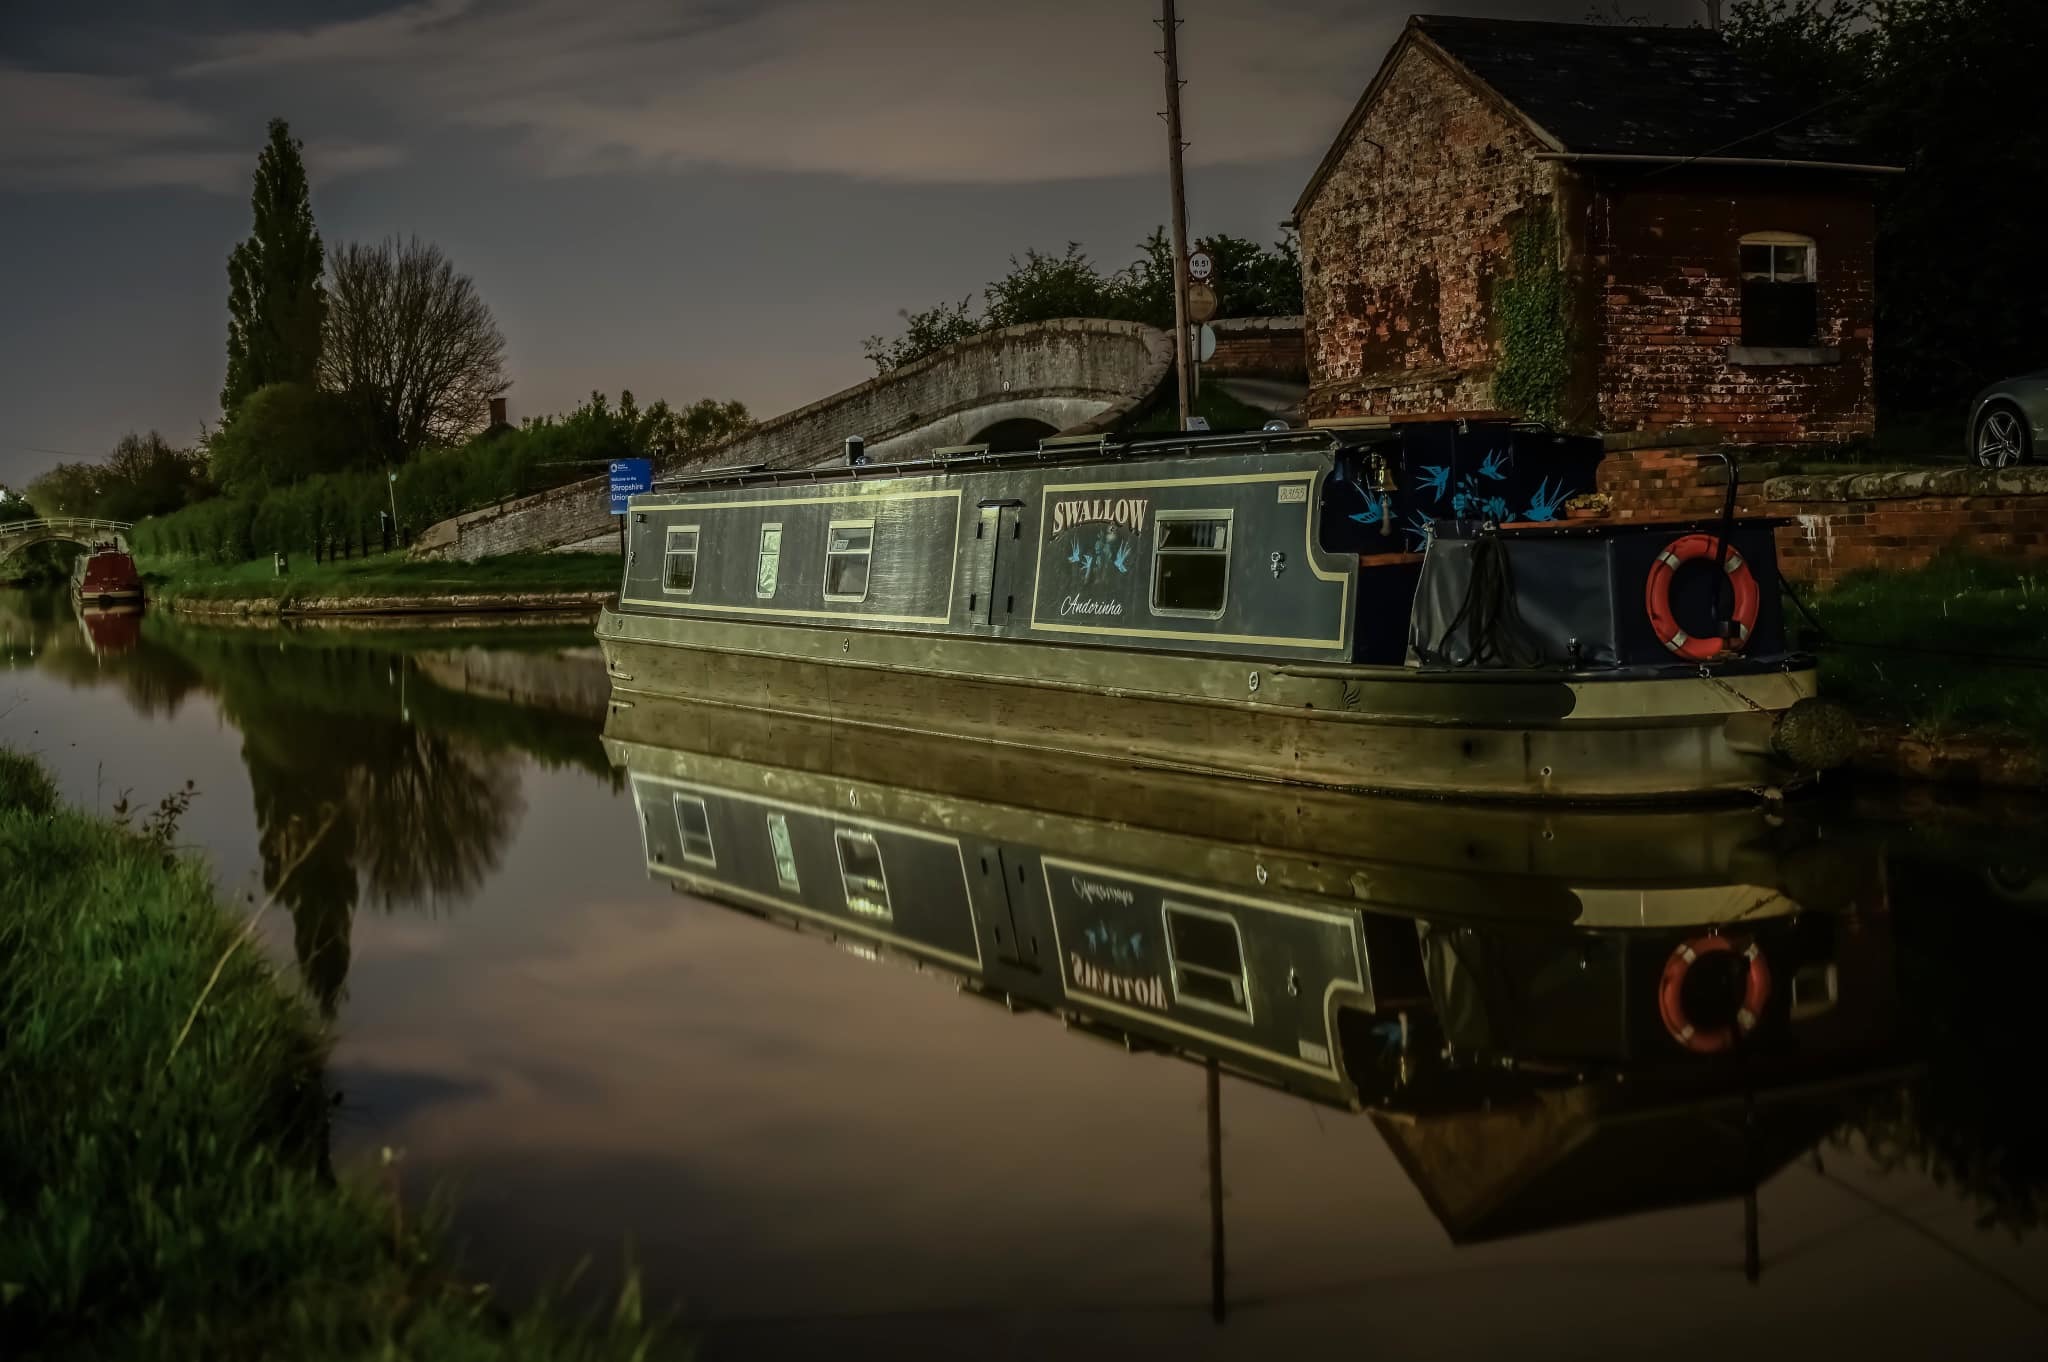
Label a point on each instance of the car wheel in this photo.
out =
(2001, 437)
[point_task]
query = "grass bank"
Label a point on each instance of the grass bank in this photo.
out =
(1957, 648)
(382, 577)
(164, 1190)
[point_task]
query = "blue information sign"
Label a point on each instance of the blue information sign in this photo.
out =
(629, 476)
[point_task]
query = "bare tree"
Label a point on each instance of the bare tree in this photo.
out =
(412, 342)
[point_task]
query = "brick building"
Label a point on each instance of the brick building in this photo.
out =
(1709, 239)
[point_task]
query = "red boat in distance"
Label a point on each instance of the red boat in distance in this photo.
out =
(106, 575)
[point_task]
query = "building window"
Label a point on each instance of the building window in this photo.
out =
(693, 821)
(679, 563)
(1191, 563)
(1780, 292)
(848, 546)
(784, 853)
(1207, 956)
(860, 872)
(769, 566)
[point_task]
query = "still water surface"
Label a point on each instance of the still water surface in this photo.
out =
(811, 1152)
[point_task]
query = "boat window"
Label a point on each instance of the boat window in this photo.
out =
(679, 563)
(860, 871)
(784, 853)
(1207, 956)
(769, 566)
(1191, 563)
(848, 546)
(693, 820)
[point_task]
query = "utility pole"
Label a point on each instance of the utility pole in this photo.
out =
(1170, 26)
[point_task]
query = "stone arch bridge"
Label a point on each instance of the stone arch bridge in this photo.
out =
(1009, 388)
(87, 533)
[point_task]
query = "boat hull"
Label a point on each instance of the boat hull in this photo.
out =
(1383, 729)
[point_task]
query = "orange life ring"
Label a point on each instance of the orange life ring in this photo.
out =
(1756, 993)
(1657, 598)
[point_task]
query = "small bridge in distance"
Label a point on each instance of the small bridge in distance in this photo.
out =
(86, 532)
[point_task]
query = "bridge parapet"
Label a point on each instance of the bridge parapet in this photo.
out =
(1071, 376)
(85, 531)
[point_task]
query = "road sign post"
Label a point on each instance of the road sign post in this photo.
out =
(628, 476)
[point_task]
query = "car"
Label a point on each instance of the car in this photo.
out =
(2009, 421)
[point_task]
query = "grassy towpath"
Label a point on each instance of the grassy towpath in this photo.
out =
(164, 1187)
(1955, 654)
(389, 581)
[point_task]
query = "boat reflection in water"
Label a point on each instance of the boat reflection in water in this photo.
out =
(110, 630)
(1550, 1016)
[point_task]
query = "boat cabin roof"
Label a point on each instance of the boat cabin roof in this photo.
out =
(1054, 451)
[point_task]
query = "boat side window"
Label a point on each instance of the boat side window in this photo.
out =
(1191, 563)
(785, 854)
(860, 872)
(1207, 956)
(693, 821)
(848, 546)
(768, 568)
(679, 561)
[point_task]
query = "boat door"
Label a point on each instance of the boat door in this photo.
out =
(997, 546)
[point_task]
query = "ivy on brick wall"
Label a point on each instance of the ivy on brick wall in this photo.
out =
(1529, 306)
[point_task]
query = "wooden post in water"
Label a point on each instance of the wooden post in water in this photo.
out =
(1171, 53)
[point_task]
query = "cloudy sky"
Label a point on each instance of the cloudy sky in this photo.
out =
(681, 197)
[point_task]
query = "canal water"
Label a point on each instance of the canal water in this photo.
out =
(810, 1150)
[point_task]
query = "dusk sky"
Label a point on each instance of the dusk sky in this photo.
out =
(685, 198)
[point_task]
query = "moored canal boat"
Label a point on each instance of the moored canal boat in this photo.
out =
(105, 575)
(1401, 609)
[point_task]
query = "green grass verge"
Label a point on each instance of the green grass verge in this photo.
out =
(1920, 646)
(169, 1200)
(389, 574)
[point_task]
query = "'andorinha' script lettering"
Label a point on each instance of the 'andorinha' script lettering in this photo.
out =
(1121, 987)
(1080, 605)
(1129, 513)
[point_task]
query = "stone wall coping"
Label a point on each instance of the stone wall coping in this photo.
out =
(1908, 485)
(1681, 437)
(1238, 326)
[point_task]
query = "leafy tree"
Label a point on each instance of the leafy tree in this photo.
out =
(1041, 287)
(935, 328)
(412, 344)
(284, 433)
(1253, 281)
(144, 476)
(1948, 89)
(15, 506)
(276, 306)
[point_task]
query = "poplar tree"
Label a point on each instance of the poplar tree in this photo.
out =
(276, 305)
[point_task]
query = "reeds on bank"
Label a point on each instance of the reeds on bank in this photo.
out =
(168, 1198)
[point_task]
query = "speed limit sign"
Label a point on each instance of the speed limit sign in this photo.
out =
(1200, 265)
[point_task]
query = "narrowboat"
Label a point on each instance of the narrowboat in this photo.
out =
(1402, 609)
(1357, 950)
(105, 575)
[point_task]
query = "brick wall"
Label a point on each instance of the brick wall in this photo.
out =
(1663, 252)
(1258, 347)
(1846, 523)
(1402, 241)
